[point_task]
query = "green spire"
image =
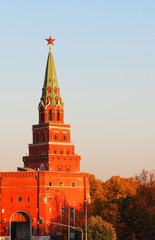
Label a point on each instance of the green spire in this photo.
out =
(50, 91)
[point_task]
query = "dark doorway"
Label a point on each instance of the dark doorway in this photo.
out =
(20, 226)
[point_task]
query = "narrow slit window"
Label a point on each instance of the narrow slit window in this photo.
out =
(50, 115)
(58, 115)
(44, 137)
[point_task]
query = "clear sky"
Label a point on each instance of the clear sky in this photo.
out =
(104, 55)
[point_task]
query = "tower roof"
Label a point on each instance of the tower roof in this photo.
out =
(51, 90)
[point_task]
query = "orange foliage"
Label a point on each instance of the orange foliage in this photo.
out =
(127, 203)
(117, 187)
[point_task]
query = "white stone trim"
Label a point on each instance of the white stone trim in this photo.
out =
(52, 143)
(51, 127)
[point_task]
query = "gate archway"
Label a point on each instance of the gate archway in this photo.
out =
(20, 226)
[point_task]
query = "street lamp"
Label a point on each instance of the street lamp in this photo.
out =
(60, 215)
(85, 203)
(74, 216)
(68, 220)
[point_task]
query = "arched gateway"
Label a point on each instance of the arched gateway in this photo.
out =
(20, 226)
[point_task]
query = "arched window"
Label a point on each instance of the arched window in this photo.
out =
(55, 136)
(55, 152)
(68, 170)
(61, 184)
(42, 167)
(64, 137)
(59, 169)
(50, 115)
(67, 152)
(58, 115)
(73, 184)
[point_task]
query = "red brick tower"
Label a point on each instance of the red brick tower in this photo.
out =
(51, 148)
(50, 187)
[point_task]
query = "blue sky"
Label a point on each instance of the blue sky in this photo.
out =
(104, 55)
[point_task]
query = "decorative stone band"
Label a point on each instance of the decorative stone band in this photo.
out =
(52, 143)
(51, 127)
(47, 173)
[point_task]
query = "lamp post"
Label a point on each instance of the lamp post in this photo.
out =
(85, 203)
(60, 216)
(74, 217)
(68, 220)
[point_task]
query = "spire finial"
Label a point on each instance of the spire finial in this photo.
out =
(50, 41)
(50, 47)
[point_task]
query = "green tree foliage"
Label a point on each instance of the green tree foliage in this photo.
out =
(98, 229)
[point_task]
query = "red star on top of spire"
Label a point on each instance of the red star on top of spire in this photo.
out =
(50, 41)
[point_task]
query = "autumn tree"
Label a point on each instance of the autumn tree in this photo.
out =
(97, 193)
(98, 229)
(137, 212)
(127, 203)
(116, 189)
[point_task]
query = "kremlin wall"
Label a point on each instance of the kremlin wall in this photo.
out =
(49, 188)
